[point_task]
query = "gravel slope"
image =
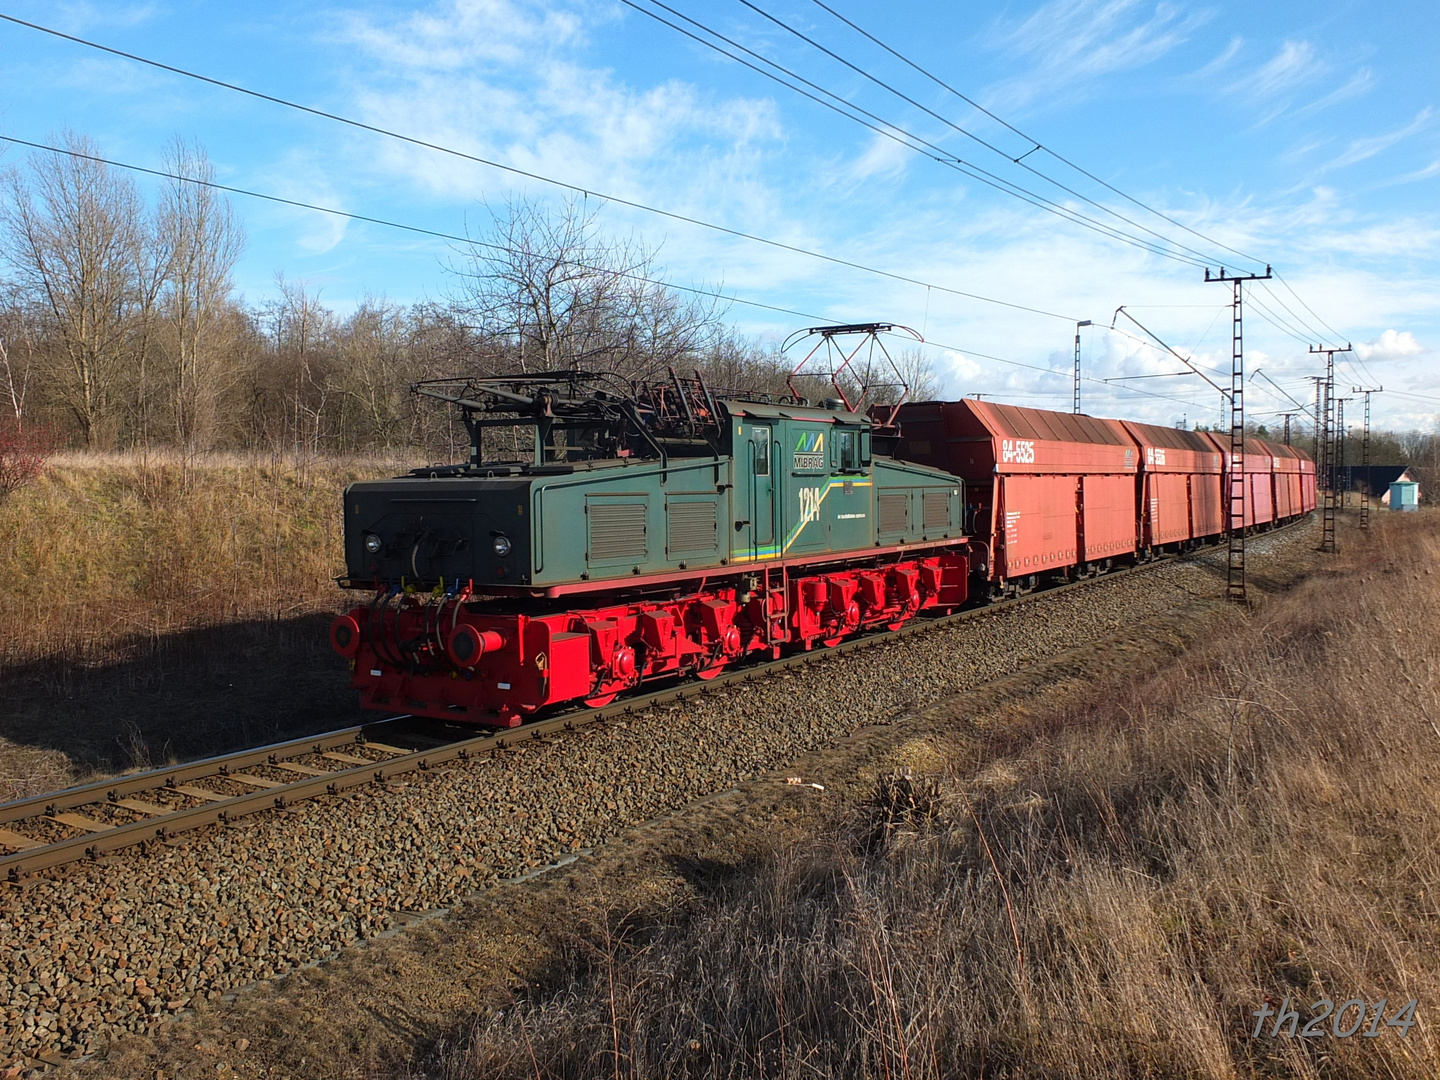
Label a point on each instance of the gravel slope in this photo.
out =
(96, 951)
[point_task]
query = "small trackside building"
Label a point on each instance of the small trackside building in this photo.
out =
(1044, 490)
(1180, 495)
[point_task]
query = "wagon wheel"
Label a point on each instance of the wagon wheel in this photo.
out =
(712, 671)
(599, 701)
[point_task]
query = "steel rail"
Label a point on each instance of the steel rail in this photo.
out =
(163, 827)
(132, 783)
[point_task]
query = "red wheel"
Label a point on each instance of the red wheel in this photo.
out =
(601, 700)
(831, 642)
(710, 672)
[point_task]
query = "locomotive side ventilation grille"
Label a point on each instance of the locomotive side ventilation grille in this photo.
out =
(937, 511)
(894, 511)
(690, 526)
(616, 530)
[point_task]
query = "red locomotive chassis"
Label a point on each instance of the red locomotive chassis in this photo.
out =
(450, 658)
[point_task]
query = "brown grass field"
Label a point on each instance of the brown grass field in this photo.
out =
(1111, 889)
(159, 607)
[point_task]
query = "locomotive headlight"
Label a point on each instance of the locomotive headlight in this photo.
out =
(502, 545)
(373, 543)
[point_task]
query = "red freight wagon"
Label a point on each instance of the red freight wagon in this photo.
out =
(1046, 489)
(1180, 494)
(1259, 478)
(1307, 480)
(1289, 481)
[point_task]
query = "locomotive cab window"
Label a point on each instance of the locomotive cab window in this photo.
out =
(849, 441)
(760, 454)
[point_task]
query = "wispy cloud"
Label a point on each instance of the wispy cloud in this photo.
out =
(458, 34)
(1273, 89)
(1218, 65)
(1293, 65)
(81, 15)
(1071, 42)
(507, 80)
(1357, 84)
(1363, 149)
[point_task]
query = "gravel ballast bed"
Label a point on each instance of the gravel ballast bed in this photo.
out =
(91, 952)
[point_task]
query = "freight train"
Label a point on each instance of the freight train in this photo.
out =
(611, 534)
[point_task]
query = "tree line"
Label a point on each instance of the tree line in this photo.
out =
(120, 325)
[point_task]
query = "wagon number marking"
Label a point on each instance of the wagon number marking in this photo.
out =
(1019, 451)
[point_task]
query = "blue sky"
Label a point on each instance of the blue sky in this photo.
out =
(1303, 134)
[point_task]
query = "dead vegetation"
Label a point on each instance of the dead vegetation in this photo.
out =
(1111, 890)
(142, 589)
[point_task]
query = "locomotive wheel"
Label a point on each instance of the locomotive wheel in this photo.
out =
(708, 673)
(601, 700)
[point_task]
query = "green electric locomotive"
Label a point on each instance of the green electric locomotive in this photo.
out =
(624, 534)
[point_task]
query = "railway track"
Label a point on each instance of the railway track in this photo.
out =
(152, 807)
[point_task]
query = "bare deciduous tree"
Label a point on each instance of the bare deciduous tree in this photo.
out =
(565, 297)
(202, 239)
(75, 236)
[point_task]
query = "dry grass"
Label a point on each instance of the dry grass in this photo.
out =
(1108, 891)
(121, 567)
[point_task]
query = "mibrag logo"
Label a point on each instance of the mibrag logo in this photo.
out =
(810, 450)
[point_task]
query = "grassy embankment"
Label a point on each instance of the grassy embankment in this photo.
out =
(158, 607)
(1107, 890)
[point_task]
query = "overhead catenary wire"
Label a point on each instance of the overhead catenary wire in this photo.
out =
(1056, 371)
(956, 127)
(418, 229)
(563, 184)
(472, 242)
(1036, 144)
(543, 179)
(1253, 302)
(926, 149)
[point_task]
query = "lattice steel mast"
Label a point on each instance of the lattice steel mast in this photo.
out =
(1365, 454)
(1078, 325)
(1325, 463)
(1235, 497)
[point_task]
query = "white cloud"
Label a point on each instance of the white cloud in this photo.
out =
(460, 34)
(1390, 345)
(300, 176)
(503, 80)
(1362, 149)
(1294, 65)
(1071, 42)
(1221, 62)
(1357, 84)
(80, 16)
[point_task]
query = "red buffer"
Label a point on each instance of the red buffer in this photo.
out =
(451, 657)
